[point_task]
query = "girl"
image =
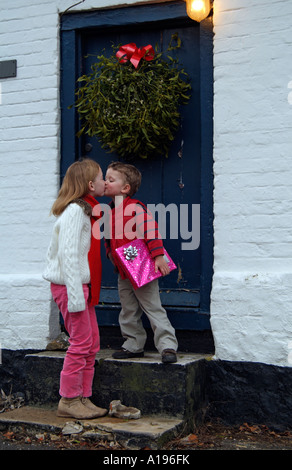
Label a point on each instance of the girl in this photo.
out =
(74, 270)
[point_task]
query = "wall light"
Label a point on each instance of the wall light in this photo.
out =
(198, 10)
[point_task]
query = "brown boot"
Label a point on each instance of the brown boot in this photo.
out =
(88, 403)
(74, 408)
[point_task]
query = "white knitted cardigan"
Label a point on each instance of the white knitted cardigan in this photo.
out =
(67, 256)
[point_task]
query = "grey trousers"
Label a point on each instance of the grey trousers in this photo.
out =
(134, 303)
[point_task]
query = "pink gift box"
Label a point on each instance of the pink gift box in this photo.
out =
(136, 262)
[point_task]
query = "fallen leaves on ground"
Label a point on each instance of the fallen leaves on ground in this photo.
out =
(216, 436)
(209, 436)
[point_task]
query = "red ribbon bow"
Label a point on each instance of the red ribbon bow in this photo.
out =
(134, 54)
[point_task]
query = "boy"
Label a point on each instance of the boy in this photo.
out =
(121, 183)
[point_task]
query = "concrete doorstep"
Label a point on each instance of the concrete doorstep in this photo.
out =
(148, 431)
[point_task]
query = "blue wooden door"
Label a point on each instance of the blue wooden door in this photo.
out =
(175, 181)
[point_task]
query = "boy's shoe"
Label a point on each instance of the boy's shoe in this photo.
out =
(168, 356)
(74, 408)
(98, 411)
(124, 354)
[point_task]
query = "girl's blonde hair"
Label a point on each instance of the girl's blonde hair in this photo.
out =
(75, 183)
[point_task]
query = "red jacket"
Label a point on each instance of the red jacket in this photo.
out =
(129, 221)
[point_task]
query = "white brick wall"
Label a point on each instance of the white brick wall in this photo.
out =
(29, 127)
(251, 296)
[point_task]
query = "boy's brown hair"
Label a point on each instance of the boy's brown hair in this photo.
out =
(131, 175)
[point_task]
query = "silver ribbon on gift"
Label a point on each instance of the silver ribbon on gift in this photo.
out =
(130, 253)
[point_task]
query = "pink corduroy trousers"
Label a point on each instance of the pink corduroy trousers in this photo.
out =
(78, 367)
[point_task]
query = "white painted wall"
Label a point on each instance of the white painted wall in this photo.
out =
(251, 294)
(29, 152)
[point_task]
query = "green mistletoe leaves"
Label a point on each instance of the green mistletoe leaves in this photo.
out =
(133, 112)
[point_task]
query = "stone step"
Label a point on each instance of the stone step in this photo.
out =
(150, 432)
(171, 397)
(171, 390)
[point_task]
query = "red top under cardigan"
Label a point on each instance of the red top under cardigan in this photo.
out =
(129, 221)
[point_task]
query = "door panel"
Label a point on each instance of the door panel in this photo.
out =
(173, 180)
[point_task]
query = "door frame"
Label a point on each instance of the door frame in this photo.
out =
(71, 26)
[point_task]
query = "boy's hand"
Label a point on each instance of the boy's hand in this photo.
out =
(162, 265)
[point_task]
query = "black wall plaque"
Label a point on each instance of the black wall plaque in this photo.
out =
(7, 68)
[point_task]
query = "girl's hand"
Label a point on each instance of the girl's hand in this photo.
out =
(162, 265)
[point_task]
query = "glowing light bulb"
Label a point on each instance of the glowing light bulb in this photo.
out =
(198, 9)
(197, 5)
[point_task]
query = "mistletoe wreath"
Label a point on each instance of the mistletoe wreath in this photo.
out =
(130, 101)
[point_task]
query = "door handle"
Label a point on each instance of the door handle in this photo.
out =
(88, 147)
